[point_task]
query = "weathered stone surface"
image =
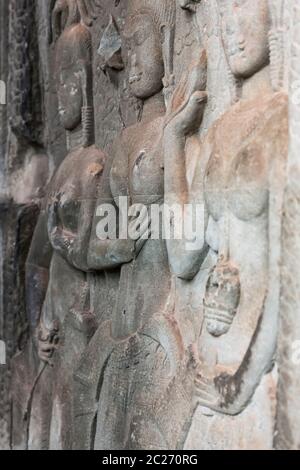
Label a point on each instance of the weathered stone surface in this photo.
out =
(144, 342)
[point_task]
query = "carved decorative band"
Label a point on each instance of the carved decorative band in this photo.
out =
(225, 316)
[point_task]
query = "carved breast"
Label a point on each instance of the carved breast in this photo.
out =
(237, 176)
(76, 180)
(147, 177)
(143, 178)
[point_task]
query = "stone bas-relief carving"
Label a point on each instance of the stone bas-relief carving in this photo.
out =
(110, 49)
(244, 170)
(130, 377)
(153, 343)
(58, 291)
(241, 179)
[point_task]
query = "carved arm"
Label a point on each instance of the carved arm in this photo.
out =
(37, 271)
(230, 394)
(182, 123)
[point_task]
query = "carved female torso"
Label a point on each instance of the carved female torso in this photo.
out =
(239, 183)
(137, 361)
(67, 306)
(237, 266)
(138, 175)
(67, 319)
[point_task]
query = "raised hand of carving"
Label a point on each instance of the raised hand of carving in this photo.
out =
(184, 116)
(185, 111)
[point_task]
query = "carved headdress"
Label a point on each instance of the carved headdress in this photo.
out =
(163, 14)
(276, 45)
(74, 50)
(68, 12)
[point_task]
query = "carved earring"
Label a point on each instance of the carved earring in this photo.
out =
(87, 114)
(87, 111)
(167, 34)
(275, 41)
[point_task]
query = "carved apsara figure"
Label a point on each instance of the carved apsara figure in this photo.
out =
(62, 305)
(130, 380)
(238, 177)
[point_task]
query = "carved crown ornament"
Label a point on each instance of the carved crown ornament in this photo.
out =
(68, 12)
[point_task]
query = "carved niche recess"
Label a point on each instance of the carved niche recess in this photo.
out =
(147, 342)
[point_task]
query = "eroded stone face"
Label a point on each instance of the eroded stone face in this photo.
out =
(70, 75)
(154, 343)
(245, 31)
(146, 69)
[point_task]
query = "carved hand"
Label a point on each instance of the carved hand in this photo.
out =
(219, 393)
(188, 103)
(122, 251)
(206, 393)
(188, 120)
(53, 219)
(62, 241)
(143, 224)
(47, 343)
